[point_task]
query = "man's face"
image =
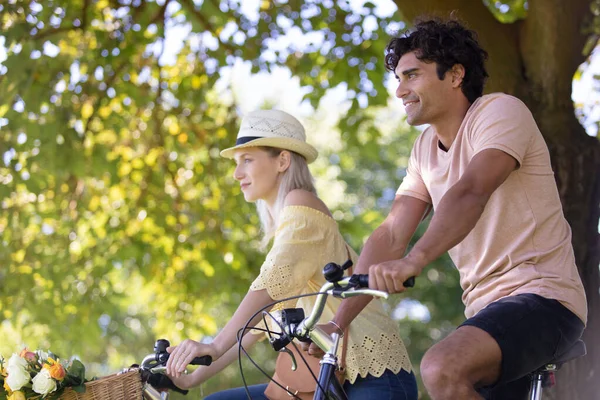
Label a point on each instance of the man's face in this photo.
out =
(424, 95)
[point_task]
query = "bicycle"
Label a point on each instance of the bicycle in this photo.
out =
(294, 325)
(153, 368)
(544, 376)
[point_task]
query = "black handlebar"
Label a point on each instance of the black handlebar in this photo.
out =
(334, 272)
(204, 360)
(160, 348)
(363, 281)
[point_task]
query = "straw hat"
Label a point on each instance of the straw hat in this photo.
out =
(272, 128)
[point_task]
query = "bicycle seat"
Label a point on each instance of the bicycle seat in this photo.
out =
(575, 351)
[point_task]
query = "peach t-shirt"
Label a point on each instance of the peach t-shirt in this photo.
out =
(522, 242)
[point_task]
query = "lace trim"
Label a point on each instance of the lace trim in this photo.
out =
(374, 357)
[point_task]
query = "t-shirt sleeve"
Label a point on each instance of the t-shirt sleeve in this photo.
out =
(506, 124)
(413, 184)
(293, 259)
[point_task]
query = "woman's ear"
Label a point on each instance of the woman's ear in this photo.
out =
(283, 161)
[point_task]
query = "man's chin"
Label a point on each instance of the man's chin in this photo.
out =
(414, 121)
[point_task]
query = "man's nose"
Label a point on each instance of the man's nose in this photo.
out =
(401, 91)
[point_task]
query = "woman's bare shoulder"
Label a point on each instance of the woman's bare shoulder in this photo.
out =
(301, 197)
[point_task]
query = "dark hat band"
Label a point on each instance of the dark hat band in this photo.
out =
(246, 139)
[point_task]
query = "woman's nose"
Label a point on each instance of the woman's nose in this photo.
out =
(237, 173)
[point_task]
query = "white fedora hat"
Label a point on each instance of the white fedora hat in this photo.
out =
(272, 128)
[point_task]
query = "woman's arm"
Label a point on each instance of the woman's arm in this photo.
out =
(202, 374)
(185, 352)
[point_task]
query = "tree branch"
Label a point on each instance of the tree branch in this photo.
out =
(499, 40)
(205, 23)
(552, 41)
(54, 31)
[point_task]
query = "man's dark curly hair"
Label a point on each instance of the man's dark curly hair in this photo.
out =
(446, 43)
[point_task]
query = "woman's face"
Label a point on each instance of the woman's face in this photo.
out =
(258, 173)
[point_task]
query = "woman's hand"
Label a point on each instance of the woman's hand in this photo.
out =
(184, 353)
(188, 381)
(314, 350)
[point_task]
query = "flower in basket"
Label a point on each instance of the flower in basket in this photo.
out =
(35, 375)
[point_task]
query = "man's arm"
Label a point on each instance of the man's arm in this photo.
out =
(387, 242)
(456, 215)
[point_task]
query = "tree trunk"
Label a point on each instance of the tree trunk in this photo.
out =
(535, 60)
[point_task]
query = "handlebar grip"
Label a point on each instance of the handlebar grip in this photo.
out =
(204, 360)
(160, 381)
(363, 281)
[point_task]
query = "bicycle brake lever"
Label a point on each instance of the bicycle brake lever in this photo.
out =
(287, 351)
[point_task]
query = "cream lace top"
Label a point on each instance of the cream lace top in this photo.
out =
(305, 241)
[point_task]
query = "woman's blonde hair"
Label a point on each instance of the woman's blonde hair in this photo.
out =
(297, 176)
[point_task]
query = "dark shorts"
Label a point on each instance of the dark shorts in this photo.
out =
(531, 331)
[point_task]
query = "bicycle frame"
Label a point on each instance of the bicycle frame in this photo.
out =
(328, 386)
(329, 365)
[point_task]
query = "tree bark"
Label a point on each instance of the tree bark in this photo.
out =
(535, 60)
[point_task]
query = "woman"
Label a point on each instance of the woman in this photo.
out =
(271, 154)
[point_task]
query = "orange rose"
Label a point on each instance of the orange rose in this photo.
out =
(56, 369)
(57, 372)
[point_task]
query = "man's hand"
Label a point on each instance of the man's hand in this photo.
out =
(389, 276)
(184, 353)
(314, 350)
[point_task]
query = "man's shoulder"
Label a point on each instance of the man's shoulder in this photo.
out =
(498, 100)
(497, 108)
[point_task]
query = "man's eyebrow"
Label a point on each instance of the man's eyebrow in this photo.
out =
(406, 72)
(410, 70)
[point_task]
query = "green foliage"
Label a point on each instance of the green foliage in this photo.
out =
(507, 11)
(120, 223)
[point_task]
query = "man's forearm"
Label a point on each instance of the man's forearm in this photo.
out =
(457, 214)
(378, 248)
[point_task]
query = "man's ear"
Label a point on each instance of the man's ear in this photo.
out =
(283, 161)
(457, 74)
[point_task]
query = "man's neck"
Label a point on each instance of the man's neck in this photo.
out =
(448, 125)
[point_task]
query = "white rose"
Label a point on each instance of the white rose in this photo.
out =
(43, 382)
(16, 361)
(17, 373)
(42, 355)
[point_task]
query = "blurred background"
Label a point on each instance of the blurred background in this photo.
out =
(120, 223)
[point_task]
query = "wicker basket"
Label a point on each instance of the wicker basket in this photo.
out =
(121, 386)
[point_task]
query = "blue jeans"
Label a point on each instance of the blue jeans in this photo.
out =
(256, 393)
(400, 386)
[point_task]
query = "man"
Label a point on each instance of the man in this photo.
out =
(484, 167)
